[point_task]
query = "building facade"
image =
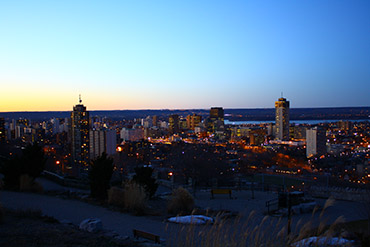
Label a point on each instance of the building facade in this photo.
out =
(102, 141)
(216, 120)
(132, 134)
(216, 113)
(173, 124)
(316, 141)
(282, 119)
(193, 121)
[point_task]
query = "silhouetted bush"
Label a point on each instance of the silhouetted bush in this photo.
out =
(100, 174)
(33, 160)
(144, 177)
(12, 171)
(32, 163)
(181, 202)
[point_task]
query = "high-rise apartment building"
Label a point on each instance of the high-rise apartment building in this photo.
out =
(102, 141)
(316, 141)
(80, 126)
(282, 119)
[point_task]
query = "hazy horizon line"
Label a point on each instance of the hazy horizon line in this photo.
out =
(189, 109)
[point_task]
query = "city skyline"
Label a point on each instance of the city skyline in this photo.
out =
(165, 55)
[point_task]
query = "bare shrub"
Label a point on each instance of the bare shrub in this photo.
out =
(116, 196)
(134, 197)
(181, 202)
(28, 184)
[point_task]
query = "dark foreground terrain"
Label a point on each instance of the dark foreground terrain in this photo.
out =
(30, 228)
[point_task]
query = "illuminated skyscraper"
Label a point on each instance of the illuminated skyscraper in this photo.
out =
(80, 125)
(282, 119)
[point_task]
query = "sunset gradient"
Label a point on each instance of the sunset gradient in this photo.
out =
(183, 54)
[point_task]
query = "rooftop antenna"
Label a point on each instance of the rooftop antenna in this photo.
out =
(79, 97)
(282, 95)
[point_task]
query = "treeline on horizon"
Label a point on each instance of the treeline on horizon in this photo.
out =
(259, 114)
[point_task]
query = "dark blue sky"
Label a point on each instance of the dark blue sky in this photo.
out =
(184, 54)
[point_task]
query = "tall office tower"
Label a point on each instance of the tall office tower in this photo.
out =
(193, 121)
(80, 125)
(316, 141)
(155, 120)
(216, 113)
(56, 124)
(216, 120)
(19, 131)
(183, 125)
(173, 124)
(282, 119)
(2, 130)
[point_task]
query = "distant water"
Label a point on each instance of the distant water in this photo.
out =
(311, 122)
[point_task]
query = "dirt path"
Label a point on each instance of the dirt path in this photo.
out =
(76, 211)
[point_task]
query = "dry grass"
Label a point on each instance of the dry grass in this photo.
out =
(28, 184)
(181, 202)
(231, 233)
(253, 232)
(135, 198)
(116, 196)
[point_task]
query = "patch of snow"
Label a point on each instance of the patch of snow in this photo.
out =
(321, 242)
(191, 219)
